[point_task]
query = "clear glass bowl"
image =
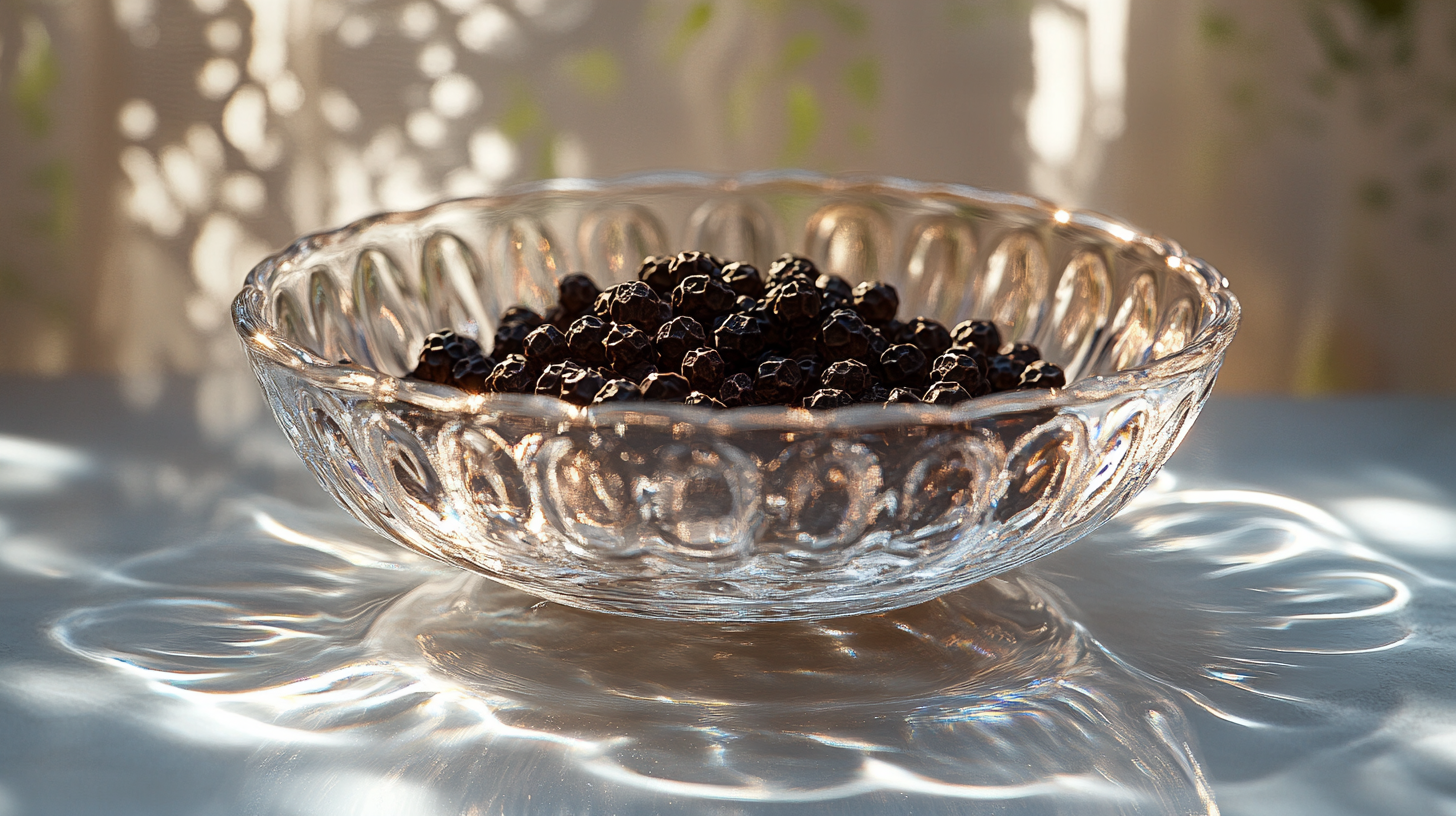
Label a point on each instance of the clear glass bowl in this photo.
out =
(750, 514)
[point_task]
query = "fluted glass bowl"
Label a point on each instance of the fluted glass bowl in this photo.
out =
(748, 514)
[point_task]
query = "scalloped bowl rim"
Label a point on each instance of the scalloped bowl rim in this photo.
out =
(262, 337)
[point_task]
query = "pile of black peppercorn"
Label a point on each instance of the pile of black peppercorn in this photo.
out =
(693, 329)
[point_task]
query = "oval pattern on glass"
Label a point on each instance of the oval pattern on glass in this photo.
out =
(734, 229)
(385, 314)
(448, 294)
(820, 494)
(1080, 308)
(848, 240)
(614, 240)
(525, 260)
(333, 325)
(940, 256)
(1011, 289)
(703, 500)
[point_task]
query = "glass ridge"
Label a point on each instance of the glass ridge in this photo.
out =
(675, 511)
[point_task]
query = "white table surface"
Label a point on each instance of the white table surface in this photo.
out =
(193, 627)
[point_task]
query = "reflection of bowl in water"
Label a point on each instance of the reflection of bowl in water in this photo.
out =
(680, 512)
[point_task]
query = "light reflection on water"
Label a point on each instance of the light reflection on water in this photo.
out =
(1068, 687)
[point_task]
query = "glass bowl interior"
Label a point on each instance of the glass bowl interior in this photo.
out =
(749, 514)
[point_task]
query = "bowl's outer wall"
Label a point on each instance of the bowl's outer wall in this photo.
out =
(750, 514)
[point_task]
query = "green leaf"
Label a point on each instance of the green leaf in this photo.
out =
(37, 72)
(801, 110)
(862, 80)
(595, 73)
(694, 22)
(798, 50)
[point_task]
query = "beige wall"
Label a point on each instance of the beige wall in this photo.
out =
(152, 150)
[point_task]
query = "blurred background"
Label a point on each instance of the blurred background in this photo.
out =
(151, 152)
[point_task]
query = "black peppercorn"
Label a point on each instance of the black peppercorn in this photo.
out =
(904, 365)
(510, 339)
(657, 273)
(521, 314)
(617, 391)
(699, 398)
(1042, 374)
(850, 376)
(549, 383)
(688, 264)
(665, 387)
(793, 304)
(513, 375)
(442, 350)
(929, 335)
(702, 298)
(738, 339)
(777, 382)
(628, 345)
(575, 293)
(545, 345)
(903, 396)
(788, 266)
(744, 280)
(1004, 373)
(471, 373)
(586, 340)
(844, 336)
(828, 398)
(704, 369)
(634, 303)
(960, 367)
(1024, 353)
(737, 390)
(876, 302)
(676, 338)
(946, 393)
(981, 334)
(580, 386)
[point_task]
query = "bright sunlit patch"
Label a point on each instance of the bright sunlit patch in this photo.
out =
(28, 466)
(1058, 97)
(137, 119)
(1402, 522)
(1062, 216)
(487, 30)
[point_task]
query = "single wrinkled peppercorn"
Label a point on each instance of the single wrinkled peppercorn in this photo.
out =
(810, 366)
(1024, 353)
(513, 375)
(1004, 373)
(658, 273)
(788, 266)
(844, 336)
(946, 393)
(702, 298)
(676, 338)
(634, 303)
(929, 335)
(981, 334)
(960, 367)
(1042, 374)
(628, 345)
(876, 302)
(546, 345)
(586, 340)
(876, 393)
(850, 376)
(744, 280)
(904, 365)
(575, 293)
(617, 391)
(737, 390)
(471, 373)
(827, 398)
(442, 350)
(704, 369)
(581, 385)
(602, 306)
(549, 383)
(665, 387)
(903, 396)
(777, 382)
(744, 304)
(794, 304)
(688, 264)
(739, 339)
(510, 339)
(834, 293)
(699, 398)
(637, 372)
(522, 315)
